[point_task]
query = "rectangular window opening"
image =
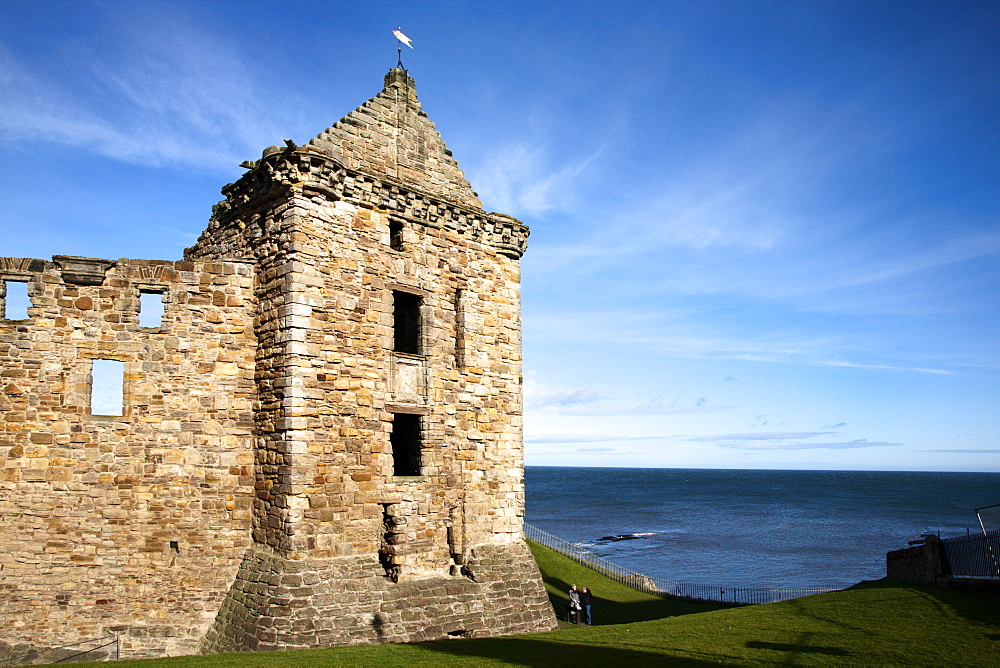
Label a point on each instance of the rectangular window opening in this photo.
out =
(107, 387)
(405, 441)
(16, 300)
(406, 322)
(150, 308)
(396, 235)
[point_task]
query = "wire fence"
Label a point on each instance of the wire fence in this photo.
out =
(662, 587)
(973, 556)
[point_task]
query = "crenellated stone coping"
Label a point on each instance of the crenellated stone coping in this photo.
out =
(90, 271)
(304, 168)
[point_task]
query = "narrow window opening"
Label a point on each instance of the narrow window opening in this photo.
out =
(16, 301)
(150, 308)
(396, 235)
(460, 342)
(405, 441)
(107, 387)
(175, 547)
(406, 322)
(386, 549)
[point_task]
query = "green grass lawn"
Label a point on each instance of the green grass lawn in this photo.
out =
(874, 623)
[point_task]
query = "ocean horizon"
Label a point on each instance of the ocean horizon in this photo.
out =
(753, 527)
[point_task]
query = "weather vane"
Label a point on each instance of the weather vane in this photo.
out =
(401, 39)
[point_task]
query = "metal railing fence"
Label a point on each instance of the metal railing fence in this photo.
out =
(975, 555)
(661, 587)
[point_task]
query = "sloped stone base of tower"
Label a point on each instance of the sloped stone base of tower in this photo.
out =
(282, 604)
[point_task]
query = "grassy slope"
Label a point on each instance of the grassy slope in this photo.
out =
(875, 623)
(614, 603)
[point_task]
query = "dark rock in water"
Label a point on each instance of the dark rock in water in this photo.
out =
(621, 536)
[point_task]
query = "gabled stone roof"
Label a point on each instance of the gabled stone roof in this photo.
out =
(390, 135)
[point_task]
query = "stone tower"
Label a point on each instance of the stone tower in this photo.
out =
(346, 464)
(388, 444)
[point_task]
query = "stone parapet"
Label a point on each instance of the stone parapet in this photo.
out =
(237, 221)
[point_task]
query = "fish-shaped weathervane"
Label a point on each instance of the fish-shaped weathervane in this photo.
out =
(401, 40)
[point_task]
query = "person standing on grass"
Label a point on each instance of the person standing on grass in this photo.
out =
(573, 614)
(586, 598)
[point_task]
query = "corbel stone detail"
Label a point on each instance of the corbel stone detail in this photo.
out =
(78, 270)
(277, 175)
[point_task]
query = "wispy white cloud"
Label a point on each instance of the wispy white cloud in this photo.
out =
(789, 208)
(753, 442)
(887, 367)
(785, 441)
(969, 451)
(156, 92)
(681, 334)
(567, 439)
(535, 397)
(759, 436)
(524, 179)
(582, 401)
(752, 189)
(674, 409)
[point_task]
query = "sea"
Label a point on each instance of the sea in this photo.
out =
(759, 528)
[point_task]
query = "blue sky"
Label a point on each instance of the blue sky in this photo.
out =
(764, 234)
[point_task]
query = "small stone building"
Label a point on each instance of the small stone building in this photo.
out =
(316, 437)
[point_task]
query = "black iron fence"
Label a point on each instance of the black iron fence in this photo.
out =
(662, 587)
(973, 555)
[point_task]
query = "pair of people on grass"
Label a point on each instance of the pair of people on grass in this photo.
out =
(580, 602)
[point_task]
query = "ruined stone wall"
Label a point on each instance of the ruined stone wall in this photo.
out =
(134, 522)
(920, 563)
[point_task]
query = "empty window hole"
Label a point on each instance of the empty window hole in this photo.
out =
(150, 309)
(406, 322)
(396, 235)
(107, 387)
(16, 301)
(405, 441)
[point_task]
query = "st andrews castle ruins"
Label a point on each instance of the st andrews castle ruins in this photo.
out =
(318, 438)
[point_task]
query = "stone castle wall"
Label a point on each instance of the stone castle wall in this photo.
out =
(321, 443)
(135, 522)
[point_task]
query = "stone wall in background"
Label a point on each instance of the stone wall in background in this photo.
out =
(927, 563)
(920, 563)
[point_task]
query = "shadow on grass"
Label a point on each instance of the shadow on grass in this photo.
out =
(981, 608)
(605, 611)
(533, 652)
(796, 649)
